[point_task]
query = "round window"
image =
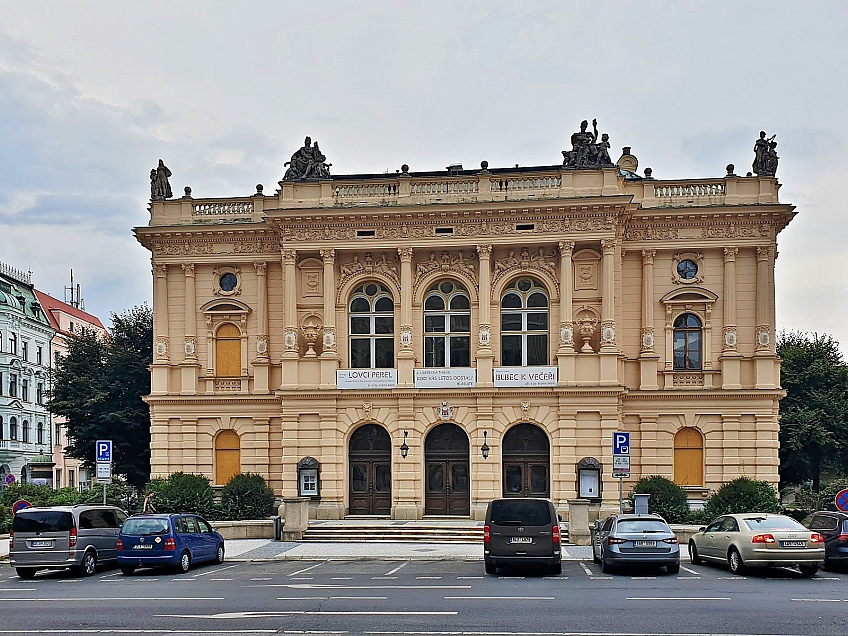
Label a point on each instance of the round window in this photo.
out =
(370, 289)
(524, 284)
(446, 287)
(687, 269)
(228, 282)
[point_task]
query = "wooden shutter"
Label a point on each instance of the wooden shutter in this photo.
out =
(227, 456)
(688, 457)
(228, 352)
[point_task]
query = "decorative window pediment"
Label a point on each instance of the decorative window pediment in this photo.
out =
(689, 295)
(229, 306)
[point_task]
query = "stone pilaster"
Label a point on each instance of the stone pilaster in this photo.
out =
(290, 334)
(608, 350)
(189, 366)
(485, 354)
(329, 353)
(565, 350)
(648, 357)
(161, 341)
(405, 355)
(262, 363)
(730, 358)
(766, 361)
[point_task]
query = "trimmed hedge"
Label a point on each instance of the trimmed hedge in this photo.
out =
(742, 495)
(183, 492)
(246, 496)
(667, 498)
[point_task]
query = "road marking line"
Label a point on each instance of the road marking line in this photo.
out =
(732, 578)
(688, 578)
(359, 598)
(468, 578)
(307, 569)
(260, 578)
(321, 586)
(390, 572)
(302, 598)
(643, 578)
(678, 598)
(119, 598)
(341, 578)
(499, 598)
(301, 578)
(818, 600)
(555, 578)
(19, 589)
(587, 570)
(184, 580)
(601, 578)
(243, 615)
(511, 577)
(434, 578)
(383, 578)
(230, 579)
(227, 567)
(690, 570)
(825, 578)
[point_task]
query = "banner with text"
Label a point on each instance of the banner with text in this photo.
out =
(366, 378)
(465, 378)
(525, 376)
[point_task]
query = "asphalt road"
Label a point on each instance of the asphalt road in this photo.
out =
(421, 597)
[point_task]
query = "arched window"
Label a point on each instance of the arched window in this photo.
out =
(228, 351)
(524, 324)
(227, 456)
(1, 427)
(688, 457)
(39, 433)
(372, 328)
(447, 326)
(13, 344)
(687, 342)
(25, 431)
(13, 429)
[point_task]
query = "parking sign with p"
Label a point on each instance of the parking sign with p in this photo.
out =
(621, 443)
(104, 450)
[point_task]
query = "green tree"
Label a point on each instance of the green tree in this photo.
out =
(667, 498)
(99, 386)
(814, 413)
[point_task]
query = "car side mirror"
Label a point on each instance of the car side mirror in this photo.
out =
(702, 529)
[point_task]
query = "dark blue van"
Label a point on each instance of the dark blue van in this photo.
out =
(175, 541)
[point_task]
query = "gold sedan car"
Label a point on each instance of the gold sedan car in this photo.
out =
(758, 540)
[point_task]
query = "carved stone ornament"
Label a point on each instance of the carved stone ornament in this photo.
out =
(369, 265)
(648, 339)
(307, 164)
(587, 322)
(680, 272)
(311, 326)
(444, 411)
(525, 407)
(190, 346)
(484, 335)
(587, 152)
(730, 338)
(290, 339)
(226, 281)
(608, 332)
(161, 346)
(446, 262)
(527, 260)
(262, 345)
(406, 337)
(763, 337)
(366, 409)
(328, 340)
(566, 334)
(765, 156)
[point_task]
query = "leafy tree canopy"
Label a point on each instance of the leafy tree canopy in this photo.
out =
(99, 386)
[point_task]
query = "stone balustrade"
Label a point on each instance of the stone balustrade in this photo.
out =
(223, 208)
(525, 184)
(688, 190)
(364, 191)
(438, 188)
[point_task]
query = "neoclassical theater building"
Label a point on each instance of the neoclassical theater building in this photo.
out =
(419, 343)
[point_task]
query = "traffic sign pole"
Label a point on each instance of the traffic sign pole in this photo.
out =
(620, 462)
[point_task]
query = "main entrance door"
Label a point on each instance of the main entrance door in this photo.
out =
(447, 482)
(526, 462)
(370, 456)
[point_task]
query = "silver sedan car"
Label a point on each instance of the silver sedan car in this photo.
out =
(635, 540)
(758, 540)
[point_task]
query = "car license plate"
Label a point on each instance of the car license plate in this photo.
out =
(793, 544)
(521, 539)
(143, 546)
(41, 544)
(644, 544)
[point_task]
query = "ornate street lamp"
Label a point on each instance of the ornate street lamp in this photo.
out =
(404, 449)
(484, 449)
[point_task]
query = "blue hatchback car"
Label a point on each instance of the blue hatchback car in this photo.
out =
(175, 540)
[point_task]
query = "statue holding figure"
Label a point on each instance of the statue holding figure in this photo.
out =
(764, 154)
(586, 152)
(308, 163)
(160, 187)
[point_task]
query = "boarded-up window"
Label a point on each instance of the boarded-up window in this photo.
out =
(228, 352)
(688, 457)
(227, 456)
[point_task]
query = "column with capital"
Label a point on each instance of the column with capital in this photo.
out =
(161, 341)
(485, 355)
(189, 366)
(766, 361)
(648, 358)
(730, 359)
(262, 363)
(565, 351)
(290, 335)
(329, 355)
(608, 351)
(405, 355)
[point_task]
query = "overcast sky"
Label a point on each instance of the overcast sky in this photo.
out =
(93, 93)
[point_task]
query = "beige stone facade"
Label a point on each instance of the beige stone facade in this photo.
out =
(595, 301)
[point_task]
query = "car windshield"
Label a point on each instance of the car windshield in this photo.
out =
(521, 513)
(772, 523)
(642, 525)
(145, 527)
(43, 521)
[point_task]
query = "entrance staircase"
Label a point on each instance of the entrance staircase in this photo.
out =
(365, 529)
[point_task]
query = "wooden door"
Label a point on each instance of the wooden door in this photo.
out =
(228, 352)
(526, 462)
(447, 487)
(370, 479)
(227, 456)
(688, 457)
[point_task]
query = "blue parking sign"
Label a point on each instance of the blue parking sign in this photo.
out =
(620, 443)
(104, 450)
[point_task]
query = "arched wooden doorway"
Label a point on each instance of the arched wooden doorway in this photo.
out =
(688, 457)
(447, 488)
(227, 456)
(370, 454)
(526, 462)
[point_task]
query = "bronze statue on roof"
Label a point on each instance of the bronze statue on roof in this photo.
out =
(307, 164)
(765, 156)
(587, 153)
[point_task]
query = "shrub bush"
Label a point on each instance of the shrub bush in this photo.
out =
(246, 496)
(36, 495)
(806, 497)
(67, 496)
(742, 495)
(117, 494)
(183, 492)
(667, 498)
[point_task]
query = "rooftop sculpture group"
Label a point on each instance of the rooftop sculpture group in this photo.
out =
(307, 164)
(587, 152)
(160, 188)
(765, 156)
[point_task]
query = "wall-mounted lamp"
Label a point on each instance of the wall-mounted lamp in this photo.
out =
(404, 449)
(485, 447)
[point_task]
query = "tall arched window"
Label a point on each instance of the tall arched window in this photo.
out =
(687, 342)
(524, 324)
(1, 427)
(13, 429)
(227, 456)
(228, 351)
(25, 430)
(447, 326)
(688, 457)
(39, 433)
(372, 328)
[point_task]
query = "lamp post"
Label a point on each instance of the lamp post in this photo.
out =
(404, 449)
(484, 449)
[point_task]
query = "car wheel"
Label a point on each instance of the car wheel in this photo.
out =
(606, 568)
(673, 569)
(127, 569)
(808, 570)
(88, 565)
(26, 573)
(556, 570)
(185, 562)
(219, 556)
(693, 554)
(491, 569)
(734, 560)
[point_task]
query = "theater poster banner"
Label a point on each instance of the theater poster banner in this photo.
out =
(525, 376)
(464, 378)
(366, 378)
